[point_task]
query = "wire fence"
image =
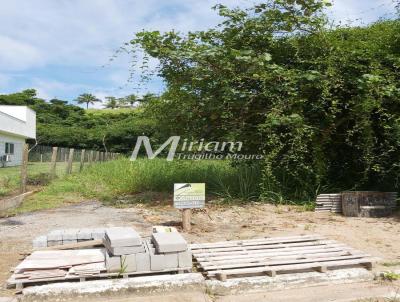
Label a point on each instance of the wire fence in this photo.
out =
(22, 166)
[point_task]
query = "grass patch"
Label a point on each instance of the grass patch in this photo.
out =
(110, 181)
(38, 174)
(122, 182)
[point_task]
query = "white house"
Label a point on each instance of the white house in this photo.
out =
(17, 123)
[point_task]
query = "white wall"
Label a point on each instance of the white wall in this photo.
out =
(18, 142)
(18, 120)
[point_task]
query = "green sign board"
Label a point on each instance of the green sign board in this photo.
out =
(189, 195)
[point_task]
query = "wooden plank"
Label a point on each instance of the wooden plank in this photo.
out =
(226, 250)
(243, 261)
(257, 241)
(294, 267)
(283, 251)
(13, 282)
(282, 262)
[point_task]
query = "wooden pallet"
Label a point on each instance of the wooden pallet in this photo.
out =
(269, 256)
(20, 284)
(329, 203)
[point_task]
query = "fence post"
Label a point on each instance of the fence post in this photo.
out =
(90, 159)
(70, 159)
(53, 162)
(24, 167)
(97, 156)
(82, 160)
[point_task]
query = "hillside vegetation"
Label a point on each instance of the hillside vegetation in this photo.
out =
(320, 103)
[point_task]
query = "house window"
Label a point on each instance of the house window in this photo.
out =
(9, 148)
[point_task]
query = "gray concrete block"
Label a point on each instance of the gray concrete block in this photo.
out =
(171, 260)
(98, 233)
(157, 262)
(123, 236)
(185, 259)
(70, 234)
(113, 263)
(169, 242)
(84, 234)
(69, 241)
(55, 235)
(53, 242)
(143, 262)
(39, 242)
(126, 250)
(128, 263)
(123, 250)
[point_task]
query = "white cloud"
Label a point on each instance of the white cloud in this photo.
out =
(81, 35)
(17, 55)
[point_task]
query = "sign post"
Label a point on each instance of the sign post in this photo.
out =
(188, 196)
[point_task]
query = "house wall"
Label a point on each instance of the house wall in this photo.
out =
(16, 158)
(18, 120)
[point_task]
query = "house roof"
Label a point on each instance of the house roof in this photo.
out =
(18, 121)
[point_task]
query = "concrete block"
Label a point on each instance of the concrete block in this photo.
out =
(126, 250)
(84, 234)
(143, 262)
(163, 229)
(55, 235)
(39, 242)
(53, 243)
(185, 259)
(98, 233)
(169, 242)
(123, 236)
(69, 241)
(157, 262)
(171, 260)
(123, 250)
(113, 263)
(69, 234)
(128, 263)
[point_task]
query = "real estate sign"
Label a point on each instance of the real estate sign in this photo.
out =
(189, 195)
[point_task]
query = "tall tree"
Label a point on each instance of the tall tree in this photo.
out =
(87, 98)
(131, 99)
(111, 102)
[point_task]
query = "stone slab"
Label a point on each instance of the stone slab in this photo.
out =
(113, 263)
(143, 262)
(109, 289)
(123, 236)
(70, 234)
(169, 242)
(55, 235)
(128, 263)
(98, 233)
(185, 259)
(39, 242)
(170, 260)
(123, 250)
(84, 234)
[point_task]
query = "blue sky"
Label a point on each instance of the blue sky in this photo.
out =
(59, 47)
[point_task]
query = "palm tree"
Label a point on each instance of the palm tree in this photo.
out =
(122, 102)
(131, 99)
(111, 102)
(148, 97)
(87, 98)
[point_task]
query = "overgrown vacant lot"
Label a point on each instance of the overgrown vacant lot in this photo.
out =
(10, 176)
(379, 237)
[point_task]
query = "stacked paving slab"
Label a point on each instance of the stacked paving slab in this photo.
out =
(67, 236)
(125, 250)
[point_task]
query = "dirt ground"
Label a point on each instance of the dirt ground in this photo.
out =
(379, 237)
